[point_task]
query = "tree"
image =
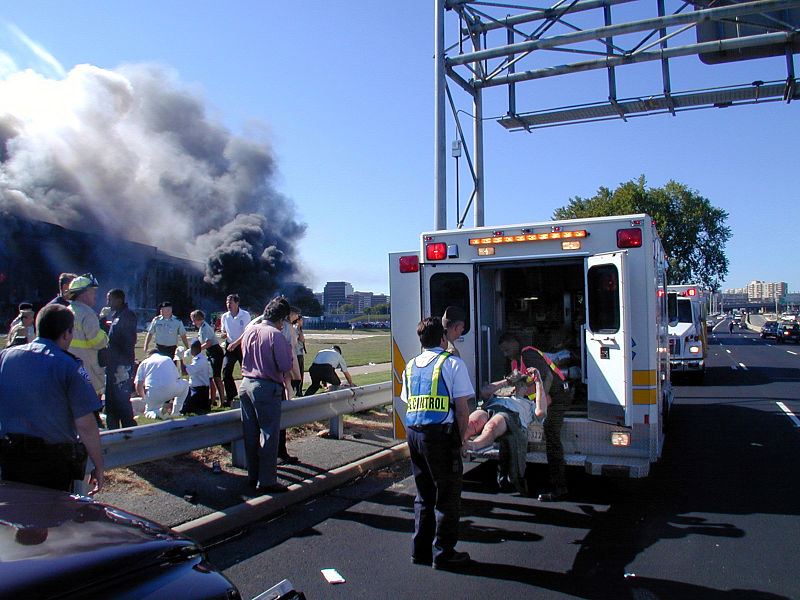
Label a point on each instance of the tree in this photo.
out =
(692, 230)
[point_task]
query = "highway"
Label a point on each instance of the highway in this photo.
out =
(718, 518)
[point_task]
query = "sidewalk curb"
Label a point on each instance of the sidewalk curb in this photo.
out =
(236, 517)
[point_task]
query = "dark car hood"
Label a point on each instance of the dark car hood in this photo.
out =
(53, 544)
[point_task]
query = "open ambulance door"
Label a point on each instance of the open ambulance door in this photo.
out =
(608, 339)
(404, 287)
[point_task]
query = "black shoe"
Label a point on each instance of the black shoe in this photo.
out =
(455, 561)
(427, 561)
(288, 459)
(556, 496)
(275, 488)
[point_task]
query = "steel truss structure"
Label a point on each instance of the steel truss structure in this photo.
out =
(499, 44)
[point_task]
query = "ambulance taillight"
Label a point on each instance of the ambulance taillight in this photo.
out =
(409, 264)
(629, 238)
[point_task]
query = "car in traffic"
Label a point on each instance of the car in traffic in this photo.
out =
(53, 544)
(769, 330)
(788, 332)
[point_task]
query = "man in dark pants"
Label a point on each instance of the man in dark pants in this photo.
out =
(436, 389)
(323, 369)
(119, 322)
(233, 324)
(47, 404)
(266, 360)
(553, 381)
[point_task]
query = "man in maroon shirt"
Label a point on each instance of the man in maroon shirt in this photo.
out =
(266, 359)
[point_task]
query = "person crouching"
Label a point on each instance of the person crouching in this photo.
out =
(158, 382)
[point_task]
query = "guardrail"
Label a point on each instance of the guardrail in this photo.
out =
(134, 445)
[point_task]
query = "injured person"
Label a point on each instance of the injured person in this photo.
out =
(509, 407)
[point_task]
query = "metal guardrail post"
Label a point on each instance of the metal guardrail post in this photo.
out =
(336, 427)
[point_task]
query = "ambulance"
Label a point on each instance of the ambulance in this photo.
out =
(589, 292)
(688, 334)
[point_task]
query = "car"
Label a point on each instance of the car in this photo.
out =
(53, 544)
(769, 329)
(788, 332)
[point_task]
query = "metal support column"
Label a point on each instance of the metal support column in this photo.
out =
(440, 165)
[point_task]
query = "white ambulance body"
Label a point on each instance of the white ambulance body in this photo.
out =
(592, 290)
(688, 337)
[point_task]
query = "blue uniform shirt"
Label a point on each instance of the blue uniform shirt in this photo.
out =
(42, 391)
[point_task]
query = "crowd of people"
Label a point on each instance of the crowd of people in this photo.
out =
(85, 363)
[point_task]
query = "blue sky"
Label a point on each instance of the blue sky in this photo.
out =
(343, 92)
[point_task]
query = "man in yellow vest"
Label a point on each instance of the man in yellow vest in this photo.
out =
(436, 389)
(88, 338)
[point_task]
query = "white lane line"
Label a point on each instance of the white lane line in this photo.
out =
(742, 366)
(789, 413)
(790, 352)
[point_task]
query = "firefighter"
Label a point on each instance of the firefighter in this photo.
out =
(436, 390)
(88, 338)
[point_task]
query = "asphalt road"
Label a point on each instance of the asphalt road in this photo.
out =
(718, 518)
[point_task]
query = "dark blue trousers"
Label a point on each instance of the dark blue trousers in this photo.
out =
(438, 470)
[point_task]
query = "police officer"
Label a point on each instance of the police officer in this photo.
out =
(47, 424)
(167, 329)
(554, 385)
(436, 389)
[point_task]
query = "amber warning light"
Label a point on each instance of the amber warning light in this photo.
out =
(528, 237)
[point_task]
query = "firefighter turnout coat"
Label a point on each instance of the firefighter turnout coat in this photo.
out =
(87, 340)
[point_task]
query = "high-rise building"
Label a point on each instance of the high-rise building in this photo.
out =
(335, 294)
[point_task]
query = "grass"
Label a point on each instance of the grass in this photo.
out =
(366, 345)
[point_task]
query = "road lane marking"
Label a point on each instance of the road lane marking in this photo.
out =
(790, 352)
(789, 413)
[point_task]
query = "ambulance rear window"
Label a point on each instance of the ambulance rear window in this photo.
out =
(450, 289)
(603, 296)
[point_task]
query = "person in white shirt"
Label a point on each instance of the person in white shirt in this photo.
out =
(323, 369)
(159, 383)
(233, 323)
(197, 366)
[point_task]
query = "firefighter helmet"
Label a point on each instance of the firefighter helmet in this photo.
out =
(80, 284)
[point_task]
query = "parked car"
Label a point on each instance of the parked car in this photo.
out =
(788, 332)
(769, 329)
(53, 544)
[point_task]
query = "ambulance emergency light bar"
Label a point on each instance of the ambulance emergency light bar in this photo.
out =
(530, 237)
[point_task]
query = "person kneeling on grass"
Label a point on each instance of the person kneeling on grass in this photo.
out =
(198, 368)
(509, 407)
(158, 382)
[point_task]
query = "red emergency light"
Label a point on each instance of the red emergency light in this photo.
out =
(691, 292)
(629, 238)
(409, 264)
(436, 251)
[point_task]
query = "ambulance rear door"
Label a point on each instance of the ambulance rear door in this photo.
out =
(608, 338)
(404, 288)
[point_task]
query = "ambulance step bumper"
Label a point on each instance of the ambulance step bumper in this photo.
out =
(611, 466)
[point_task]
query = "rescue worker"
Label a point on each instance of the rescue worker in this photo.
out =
(454, 321)
(88, 338)
(47, 423)
(436, 390)
(119, 322)
(63, 285)
(167, 330)
(22, 329)
(554, 386)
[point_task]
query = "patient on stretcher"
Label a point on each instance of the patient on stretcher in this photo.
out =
(512, 403)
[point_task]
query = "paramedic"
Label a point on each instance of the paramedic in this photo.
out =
(553, 380)
(436, 389)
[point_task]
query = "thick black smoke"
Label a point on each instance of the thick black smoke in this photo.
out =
(132, 154)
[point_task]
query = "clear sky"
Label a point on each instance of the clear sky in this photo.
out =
(343, 91)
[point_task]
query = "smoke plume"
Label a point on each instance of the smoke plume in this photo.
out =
(130, 153)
